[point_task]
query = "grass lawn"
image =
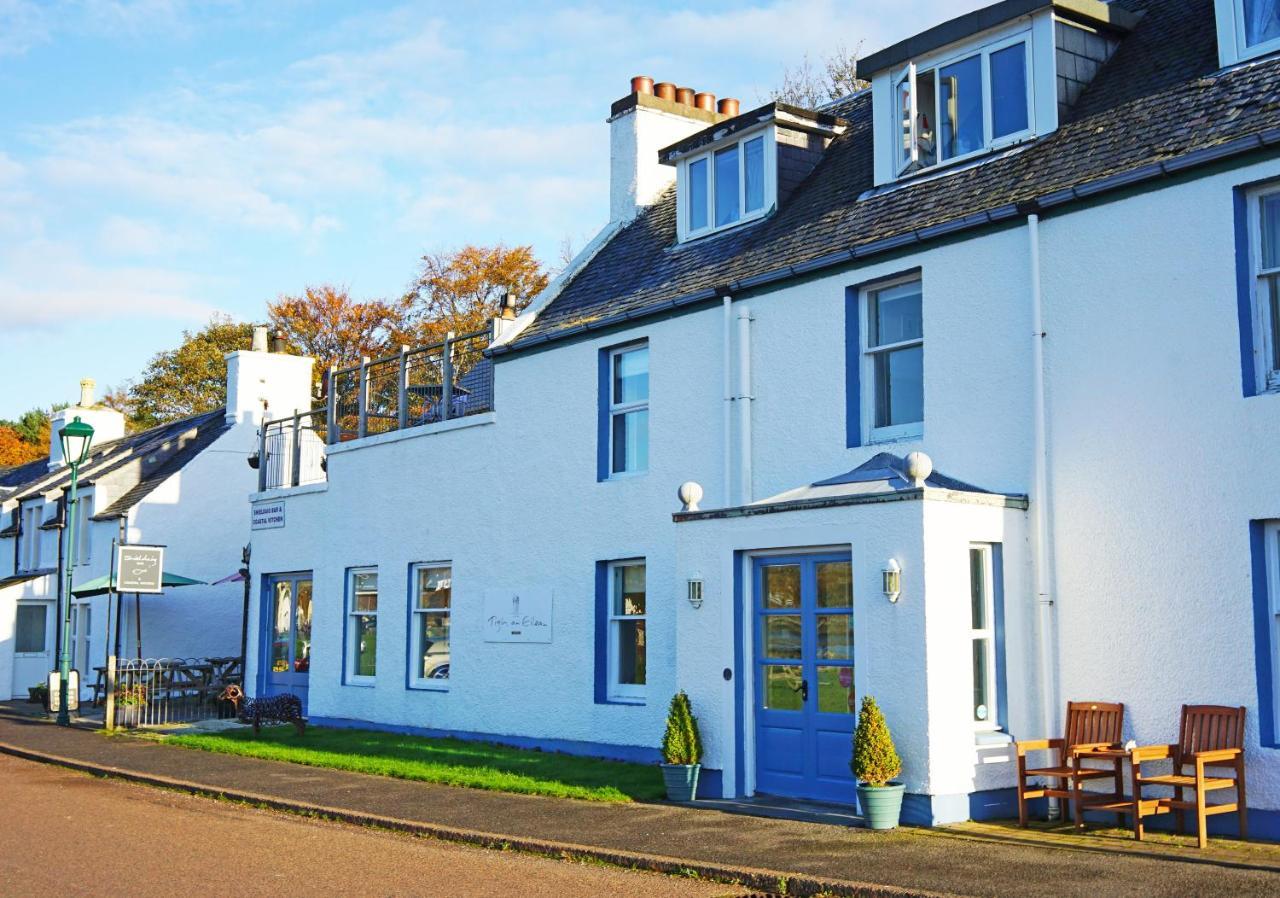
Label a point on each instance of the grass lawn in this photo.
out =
(453, 762)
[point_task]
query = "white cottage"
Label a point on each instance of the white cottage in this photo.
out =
(180, 485)
(1042, 248)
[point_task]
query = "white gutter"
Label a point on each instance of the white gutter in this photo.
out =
(1041, 504)
(744, 405)
(728, 401)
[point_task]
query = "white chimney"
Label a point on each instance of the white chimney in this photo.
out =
(640, 125)
(267, 384)
(107, 423)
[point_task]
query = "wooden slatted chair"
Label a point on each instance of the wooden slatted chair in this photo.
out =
(1089, 725)
(1208, 736)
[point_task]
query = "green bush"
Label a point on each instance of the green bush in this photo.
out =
(875, 760)
(681, 743)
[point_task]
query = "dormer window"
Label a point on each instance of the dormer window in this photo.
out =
(1258, 26)
(724, 186)
(965, 104)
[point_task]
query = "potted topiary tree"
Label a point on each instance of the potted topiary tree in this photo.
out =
(876, 762)
(681, 750)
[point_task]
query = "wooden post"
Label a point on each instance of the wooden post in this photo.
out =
(362, 428)
(262, 456)
(446, 364)
(331, 435)
(296, 456)
(111, 690)
(402, 390)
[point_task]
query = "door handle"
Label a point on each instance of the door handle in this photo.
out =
(803, 690)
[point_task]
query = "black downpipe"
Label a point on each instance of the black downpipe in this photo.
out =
(244, 621)
(62, 575)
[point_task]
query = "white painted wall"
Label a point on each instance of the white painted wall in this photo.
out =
(1158, 464)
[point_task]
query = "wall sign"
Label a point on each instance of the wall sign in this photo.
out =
(140, 569)
(267, 515)
(517, 615)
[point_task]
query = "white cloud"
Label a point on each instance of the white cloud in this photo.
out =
(23, 24)
(121, 235)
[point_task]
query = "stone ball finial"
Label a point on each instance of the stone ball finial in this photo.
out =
(919, 467)
(690, 494)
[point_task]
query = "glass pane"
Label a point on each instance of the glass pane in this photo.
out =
(31, 627)
(366, 646)
(904, 112)
(631, 441)
(835, 637)
(727, 186)
(835, 690)
(900, 386)
(280, 628)
(1009, 90)
(631, 376)
(435, 587)
(1261, 21)
(781, 584)
(629, 589)
(366, 581)
(781, 635)
(896, 314)
(835, 584)
(782, 687)
(960, 94)
(631, 652)
(981, 680)
(926, 102)
(302, 629)
(365, 601)
(433, 645)
(753, 173)
(1270, 229)
(698, 195)
(1273, 291)
(978, 589)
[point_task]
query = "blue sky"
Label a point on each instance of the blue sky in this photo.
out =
(163, 160)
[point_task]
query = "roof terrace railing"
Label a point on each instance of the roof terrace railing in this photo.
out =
(418, 385)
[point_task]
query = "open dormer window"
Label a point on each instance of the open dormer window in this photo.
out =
(964, 104)
(725, 186)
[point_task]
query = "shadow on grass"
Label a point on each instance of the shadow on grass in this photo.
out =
(455, 762)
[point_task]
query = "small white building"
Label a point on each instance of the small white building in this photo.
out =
(1042, 248)
(180, 485)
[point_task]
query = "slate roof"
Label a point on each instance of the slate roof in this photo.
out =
(142, 461)
(1159, 106)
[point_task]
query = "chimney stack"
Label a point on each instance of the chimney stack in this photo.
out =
(650, 118)
(259, 338)
(107, 423)
(87, 385)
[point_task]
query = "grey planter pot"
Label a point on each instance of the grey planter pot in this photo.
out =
(681, 781)
(881, 805)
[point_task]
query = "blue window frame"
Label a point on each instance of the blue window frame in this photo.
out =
(360, 642)
(624, 411)
(621, 632)
(1264, 547)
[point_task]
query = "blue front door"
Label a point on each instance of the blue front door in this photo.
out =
(804, 676)
(288, 634)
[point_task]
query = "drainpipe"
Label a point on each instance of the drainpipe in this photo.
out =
(1041, 504)
(728, 401)
(744, 404)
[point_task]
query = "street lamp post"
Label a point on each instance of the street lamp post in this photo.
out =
(76, 438)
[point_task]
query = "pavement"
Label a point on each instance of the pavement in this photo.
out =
(142, 842)
(767, 855)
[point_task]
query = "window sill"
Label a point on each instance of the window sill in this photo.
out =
(624, 700)
(991, 738)
(905, 436)
(362, 682)
(625, 475)
(427, 686)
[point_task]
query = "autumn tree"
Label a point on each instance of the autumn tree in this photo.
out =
(324, 322)
(14, 450)
(462, 291)
(185, 381)
(810, 87)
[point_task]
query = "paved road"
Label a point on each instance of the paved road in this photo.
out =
(140, 841)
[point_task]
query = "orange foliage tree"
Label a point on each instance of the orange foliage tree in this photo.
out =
(14, 450)
(461, 291)
(325, 323)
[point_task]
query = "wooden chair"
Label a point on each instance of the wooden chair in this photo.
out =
(1209, 736)
(1089, 725)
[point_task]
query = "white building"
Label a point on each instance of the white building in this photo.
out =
(1042, 247)
(180, 485)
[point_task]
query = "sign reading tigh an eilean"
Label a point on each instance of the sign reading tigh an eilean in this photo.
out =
(140, 569)
(517, 615)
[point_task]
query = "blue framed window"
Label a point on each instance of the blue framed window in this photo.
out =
(361, 639)
(1264, 538)
(624, 411)
(884, 376)
(430, 618)
(986, 620)
(622, 632)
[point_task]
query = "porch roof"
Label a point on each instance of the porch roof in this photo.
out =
(25, 576)
(881, 478)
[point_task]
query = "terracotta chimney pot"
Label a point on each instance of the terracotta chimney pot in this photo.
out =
(729, 107)
(642, 84)
(665, 90)
(705, 102)
(684, 96)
